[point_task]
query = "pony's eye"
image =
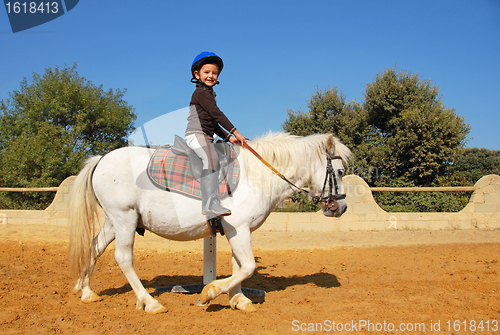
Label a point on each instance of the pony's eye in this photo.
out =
(341, 173)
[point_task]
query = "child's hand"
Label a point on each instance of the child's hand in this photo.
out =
(237, 138)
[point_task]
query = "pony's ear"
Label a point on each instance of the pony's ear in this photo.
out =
(330, 143)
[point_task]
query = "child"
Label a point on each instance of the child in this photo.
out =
(204, 120)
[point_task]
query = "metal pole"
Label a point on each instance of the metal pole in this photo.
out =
(209, 259)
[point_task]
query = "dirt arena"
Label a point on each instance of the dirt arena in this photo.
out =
(365, 282)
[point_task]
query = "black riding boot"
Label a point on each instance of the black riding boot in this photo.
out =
(210, 200)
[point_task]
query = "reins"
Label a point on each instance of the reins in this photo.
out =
(331, 200)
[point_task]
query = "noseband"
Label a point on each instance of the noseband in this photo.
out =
(330, 200)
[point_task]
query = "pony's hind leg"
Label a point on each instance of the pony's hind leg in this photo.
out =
(124, 245)
(99, 244)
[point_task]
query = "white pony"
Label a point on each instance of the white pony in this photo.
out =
(119, 183)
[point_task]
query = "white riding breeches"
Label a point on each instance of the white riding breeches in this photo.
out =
(203, 146)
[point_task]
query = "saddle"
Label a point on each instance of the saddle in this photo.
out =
(178, 168)
(181, 148)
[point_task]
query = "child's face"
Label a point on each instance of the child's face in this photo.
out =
(208, 74)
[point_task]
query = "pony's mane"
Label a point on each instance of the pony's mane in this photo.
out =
(287, 152)
(282, 145)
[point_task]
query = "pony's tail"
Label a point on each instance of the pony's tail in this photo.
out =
(82, 217)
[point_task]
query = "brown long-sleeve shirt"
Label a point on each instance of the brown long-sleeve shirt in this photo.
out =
(204, 115)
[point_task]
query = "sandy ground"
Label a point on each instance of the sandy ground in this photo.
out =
(351, 282)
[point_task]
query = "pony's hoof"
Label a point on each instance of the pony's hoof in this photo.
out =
(248, 308)
(158, 309)
(242, 303)
(93, 298)
(153, 307)
(208, 293)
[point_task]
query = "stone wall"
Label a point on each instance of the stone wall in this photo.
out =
(56, 213)
(363, 213)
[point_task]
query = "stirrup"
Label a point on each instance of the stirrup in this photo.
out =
(215, 226)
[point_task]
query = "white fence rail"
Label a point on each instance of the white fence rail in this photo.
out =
(29, 189)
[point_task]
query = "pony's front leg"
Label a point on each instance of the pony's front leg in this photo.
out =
(237, 300)
(243, 267)
(124, 258)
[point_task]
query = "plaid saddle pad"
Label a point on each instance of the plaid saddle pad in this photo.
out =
(172, 172)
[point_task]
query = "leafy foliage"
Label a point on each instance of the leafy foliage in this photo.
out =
(417, 137)
(329, 113)
(49, 127)
(300, 202)
(473, 163)
(419, 201)
(401, 133)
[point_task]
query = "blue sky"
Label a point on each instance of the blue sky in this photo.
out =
(275, 52)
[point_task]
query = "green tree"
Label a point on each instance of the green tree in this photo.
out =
(417, 137)
(473, 163)
(50, 126)
(329, 112)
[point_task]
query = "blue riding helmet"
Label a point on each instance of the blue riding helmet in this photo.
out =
(206, 58)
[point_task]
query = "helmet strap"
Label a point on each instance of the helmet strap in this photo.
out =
(196, 81)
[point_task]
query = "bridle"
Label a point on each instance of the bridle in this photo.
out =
(329, 200)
